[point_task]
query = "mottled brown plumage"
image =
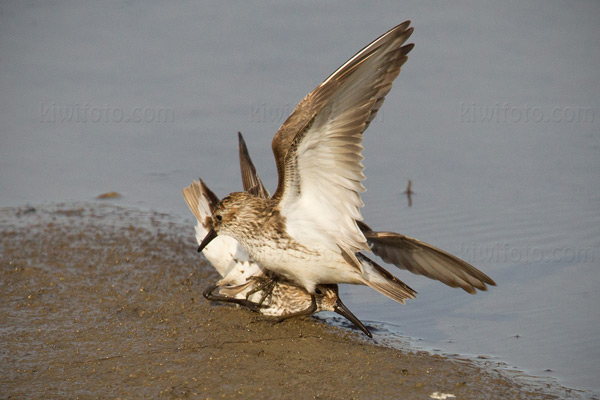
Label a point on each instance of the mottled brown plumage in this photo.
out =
(310, 231)
(283, 299)
(307, 231)
(247, 284)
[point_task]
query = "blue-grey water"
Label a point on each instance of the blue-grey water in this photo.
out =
(495, 118)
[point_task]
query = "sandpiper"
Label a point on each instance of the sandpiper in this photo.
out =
(402, 251)
(245, 282)
(310, 231)
(283, 299)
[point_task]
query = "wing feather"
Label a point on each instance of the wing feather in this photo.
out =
(424, 259)
(201, 201)
(250, 178)
(228, 257)
(318, 148)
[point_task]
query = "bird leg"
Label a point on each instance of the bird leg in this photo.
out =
(266, 285)
(309, 311)
(208, 293)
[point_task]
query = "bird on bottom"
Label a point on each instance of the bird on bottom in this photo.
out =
(310, 231)
(246, 283)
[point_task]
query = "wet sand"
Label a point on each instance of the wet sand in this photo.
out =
(99, 301)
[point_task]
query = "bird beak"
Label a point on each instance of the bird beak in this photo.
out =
(207, 239)
(341, 309)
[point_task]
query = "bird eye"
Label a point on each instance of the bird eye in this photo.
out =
(318, 291)
(219, 217)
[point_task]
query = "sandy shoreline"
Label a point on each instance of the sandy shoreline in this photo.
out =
(99, 301)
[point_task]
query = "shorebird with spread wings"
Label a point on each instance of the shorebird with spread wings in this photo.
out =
(310, 231)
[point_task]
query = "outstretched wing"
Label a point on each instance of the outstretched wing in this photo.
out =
(318, 148)
(424, 259)
(250, 178)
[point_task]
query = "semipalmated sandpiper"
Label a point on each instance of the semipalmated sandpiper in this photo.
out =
(310, 230)
(245, 282)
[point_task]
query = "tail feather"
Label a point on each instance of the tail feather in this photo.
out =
(376, 277)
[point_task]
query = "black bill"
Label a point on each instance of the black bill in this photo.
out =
(207, 239)
(341, 309)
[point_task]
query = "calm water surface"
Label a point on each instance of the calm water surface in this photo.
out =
(495, 118)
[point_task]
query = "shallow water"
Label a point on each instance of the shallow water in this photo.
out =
(495, 118)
